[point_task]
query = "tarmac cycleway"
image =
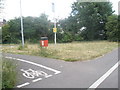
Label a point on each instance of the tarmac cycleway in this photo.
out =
(39, 72)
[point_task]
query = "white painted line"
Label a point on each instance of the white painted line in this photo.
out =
(37, 80)
(9, 57)
(101, 79)
(48, 68)
(19, 86)
(41, 78)
(48, 76)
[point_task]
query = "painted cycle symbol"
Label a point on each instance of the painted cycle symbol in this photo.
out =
(30, 73)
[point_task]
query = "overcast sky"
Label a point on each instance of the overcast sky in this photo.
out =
(36, 7)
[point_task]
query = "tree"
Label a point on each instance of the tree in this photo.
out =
(41, 25)
(118, 27)
(92, 16)
(34, 28)
(113, 28)
(6, 35)
(15, 30)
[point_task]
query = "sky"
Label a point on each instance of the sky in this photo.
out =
(36, 7)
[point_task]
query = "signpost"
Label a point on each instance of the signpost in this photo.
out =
(54, 30)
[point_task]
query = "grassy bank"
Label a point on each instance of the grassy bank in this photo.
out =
(9, 74)
(0, 72)
(66, 51)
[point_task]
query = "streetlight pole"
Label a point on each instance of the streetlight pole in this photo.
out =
(53, 9)
(21, 25)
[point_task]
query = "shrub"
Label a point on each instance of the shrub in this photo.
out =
(8, 74)
(67, 37)
(113, 29)
(78, 37)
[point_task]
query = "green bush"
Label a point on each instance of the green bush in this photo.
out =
(67, 37)
(113, 28)
(78, 38)
(8, 74)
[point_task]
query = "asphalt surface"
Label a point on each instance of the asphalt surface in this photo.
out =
(51, 73)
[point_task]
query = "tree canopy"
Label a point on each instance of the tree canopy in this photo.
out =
(34, 28)
(91, 16)
(113, 28)
(87, 21)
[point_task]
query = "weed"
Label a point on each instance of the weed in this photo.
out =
(70, 60)
(44, 51)
(67, 51)
(0, 73)
(20, 47)
(8, 74)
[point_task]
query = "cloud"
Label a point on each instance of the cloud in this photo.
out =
(36, 7)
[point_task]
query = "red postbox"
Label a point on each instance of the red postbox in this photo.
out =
(44, 42)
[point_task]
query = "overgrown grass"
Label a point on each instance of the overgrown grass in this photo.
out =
(9, 74)
(20, 47)
(0, 72)
(0, 67)
(67, 51)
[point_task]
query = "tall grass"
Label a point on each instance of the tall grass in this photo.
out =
(0, 72)
(9, 74)
(82, 50)
(67, 51)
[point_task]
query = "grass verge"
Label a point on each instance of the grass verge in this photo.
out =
(67, 51)
(9, 74)
(0, 71)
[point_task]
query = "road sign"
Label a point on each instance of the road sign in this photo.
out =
(54, 29)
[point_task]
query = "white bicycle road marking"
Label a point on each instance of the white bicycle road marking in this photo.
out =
(36, 80)
(101, 79)
(94, 85)
(41, 78)
(48, 68)
(30, 73)
(34, 73)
